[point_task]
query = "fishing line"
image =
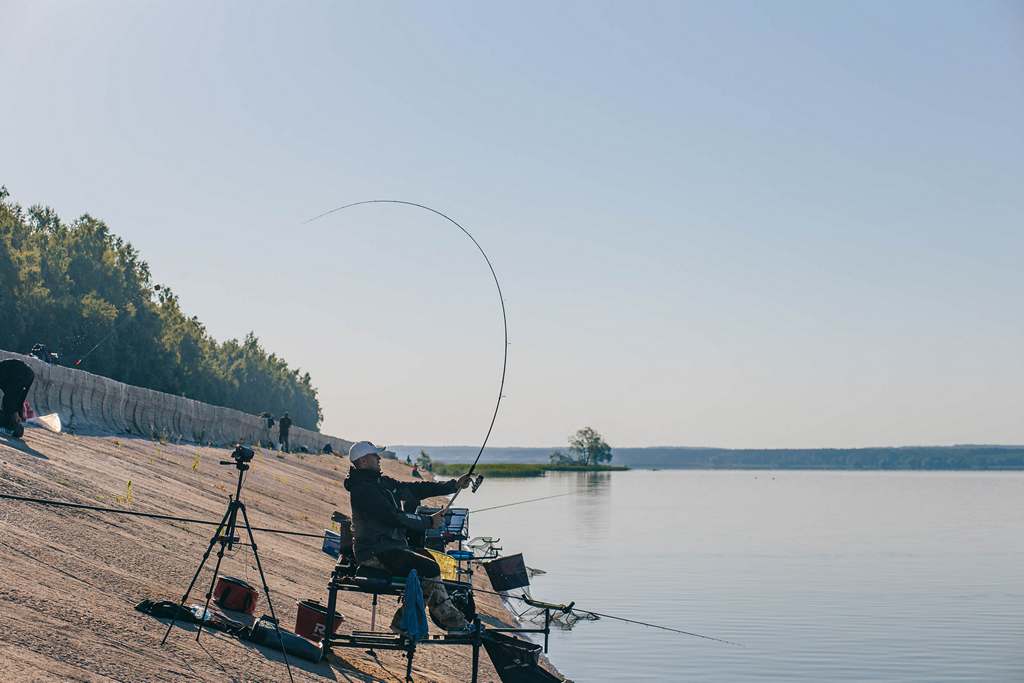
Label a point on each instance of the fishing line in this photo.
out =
(522, 502)
(501, 300)
(151, 515)
(526, 599)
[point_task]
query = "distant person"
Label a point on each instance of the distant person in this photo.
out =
(284, 425)
(16, 378)
(268, 425)
(416, 472)
(44, 354)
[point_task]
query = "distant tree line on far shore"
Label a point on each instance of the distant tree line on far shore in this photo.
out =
(72, 285)
(960, 457)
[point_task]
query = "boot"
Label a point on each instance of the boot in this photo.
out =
(442, 611)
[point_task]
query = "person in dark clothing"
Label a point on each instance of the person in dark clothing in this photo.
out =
(380, 527)
(284, 425)
(16, 379)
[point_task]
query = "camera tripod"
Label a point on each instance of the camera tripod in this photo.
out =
(225, 536)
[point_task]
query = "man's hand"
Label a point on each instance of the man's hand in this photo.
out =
(437, 519)
(465, 481)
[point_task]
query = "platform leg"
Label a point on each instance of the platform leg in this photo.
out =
(476, 649)
(547, 627)
(332, 603)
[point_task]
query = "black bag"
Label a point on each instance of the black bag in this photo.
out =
(507, 573)
(515, 660)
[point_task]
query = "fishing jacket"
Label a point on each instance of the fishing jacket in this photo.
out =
(378, 522)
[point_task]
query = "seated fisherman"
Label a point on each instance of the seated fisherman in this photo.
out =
(16, 378)
(379, 528)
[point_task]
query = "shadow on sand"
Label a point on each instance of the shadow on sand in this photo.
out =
(334, 668)
(19, 445)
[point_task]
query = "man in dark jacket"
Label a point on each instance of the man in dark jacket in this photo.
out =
(284, 425)
(379, 528)
(16, 379)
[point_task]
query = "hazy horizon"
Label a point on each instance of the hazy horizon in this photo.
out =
(733, 223)
(781, 448)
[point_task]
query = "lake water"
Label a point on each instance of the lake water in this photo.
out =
(822, 576)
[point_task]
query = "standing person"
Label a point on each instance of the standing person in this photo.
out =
(379, 528)
(16, 378)
(284, 425)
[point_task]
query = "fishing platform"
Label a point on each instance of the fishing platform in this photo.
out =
(515, 660)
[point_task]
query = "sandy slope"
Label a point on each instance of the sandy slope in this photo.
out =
(69, 578)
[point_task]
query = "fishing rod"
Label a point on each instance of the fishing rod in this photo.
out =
(522, 502)
(501, 300)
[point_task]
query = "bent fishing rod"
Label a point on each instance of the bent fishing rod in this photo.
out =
(501, 301)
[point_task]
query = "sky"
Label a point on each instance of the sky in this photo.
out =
(737, 224)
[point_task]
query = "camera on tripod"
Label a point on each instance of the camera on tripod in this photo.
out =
(241, 457)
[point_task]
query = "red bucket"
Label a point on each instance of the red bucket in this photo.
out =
(311, 619)
(235, 594)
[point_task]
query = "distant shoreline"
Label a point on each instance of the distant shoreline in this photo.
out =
(500, 469)
(902, 458)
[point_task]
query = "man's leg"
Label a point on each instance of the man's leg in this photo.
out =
(445, 614)
(401, 561)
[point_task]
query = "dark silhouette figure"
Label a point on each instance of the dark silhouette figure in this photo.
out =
(15, 380)
(284, 425)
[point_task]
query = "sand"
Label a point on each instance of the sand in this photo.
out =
(69, 579)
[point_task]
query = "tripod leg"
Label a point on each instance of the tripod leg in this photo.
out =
(213, 580)
(266, 588)
(206, 556)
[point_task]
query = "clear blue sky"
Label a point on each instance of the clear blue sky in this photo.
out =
(735, 224)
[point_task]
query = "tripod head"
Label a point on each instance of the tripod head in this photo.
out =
(241, 457)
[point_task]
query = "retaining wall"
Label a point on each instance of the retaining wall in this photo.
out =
(88, 402)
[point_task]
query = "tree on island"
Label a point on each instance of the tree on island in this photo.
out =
(586, 447)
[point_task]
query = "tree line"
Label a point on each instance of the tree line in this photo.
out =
(72, 285)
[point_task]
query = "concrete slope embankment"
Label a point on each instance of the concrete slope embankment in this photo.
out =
(92, 403)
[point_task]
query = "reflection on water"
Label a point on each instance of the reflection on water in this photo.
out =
(824, 576)
(591, 508)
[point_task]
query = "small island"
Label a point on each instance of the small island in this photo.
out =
(587, 452)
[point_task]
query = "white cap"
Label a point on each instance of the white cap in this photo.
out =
(361, 448)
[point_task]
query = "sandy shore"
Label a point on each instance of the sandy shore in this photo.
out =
(69, 579)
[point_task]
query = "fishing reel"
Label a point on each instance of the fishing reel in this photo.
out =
(476, 483)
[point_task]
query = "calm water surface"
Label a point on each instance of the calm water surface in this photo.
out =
(823, 576)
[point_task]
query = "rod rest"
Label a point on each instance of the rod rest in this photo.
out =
(565, 609)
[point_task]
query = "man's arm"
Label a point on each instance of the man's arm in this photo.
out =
(429, 489)
(372, 502)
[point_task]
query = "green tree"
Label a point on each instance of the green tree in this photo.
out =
(73, 285)
(589, 447)
(559, 458)
(423, 460)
